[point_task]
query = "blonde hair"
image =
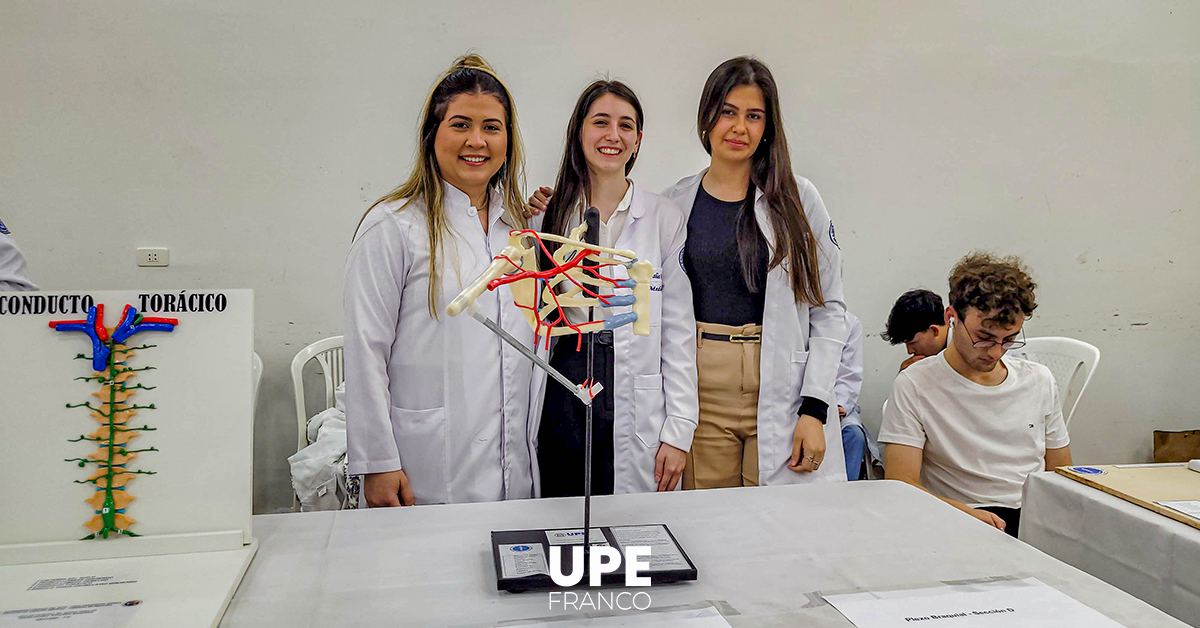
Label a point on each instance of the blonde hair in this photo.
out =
(469, 74)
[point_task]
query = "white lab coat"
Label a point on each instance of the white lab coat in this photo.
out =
(850, 369)
(801, 344)
(445, 400)
(655, 398)
(12, 265)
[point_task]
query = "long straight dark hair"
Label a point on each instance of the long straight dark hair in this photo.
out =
(573, 179)
(771, 172)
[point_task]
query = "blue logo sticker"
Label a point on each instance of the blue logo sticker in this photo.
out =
(5, 231)
(833, 236)
(521, 548)
(1089, 470)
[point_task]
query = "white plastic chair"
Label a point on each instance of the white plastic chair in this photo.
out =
(327, 353)
(1071, 361)
(256, 370)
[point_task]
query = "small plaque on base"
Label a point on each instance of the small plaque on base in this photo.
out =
(522, 557)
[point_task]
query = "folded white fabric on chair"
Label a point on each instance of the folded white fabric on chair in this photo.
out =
(317, 469)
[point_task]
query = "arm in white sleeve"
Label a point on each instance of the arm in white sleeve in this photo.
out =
(826, 323)
(375, 273)
(1056, 426)
(678, 336)
(902, 415)
(850, 371)
(12, 265)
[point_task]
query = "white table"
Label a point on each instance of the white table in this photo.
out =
(764, 554)
(1132, 548)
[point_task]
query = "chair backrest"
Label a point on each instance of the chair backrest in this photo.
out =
(1071, 361)
(256, 370)
(327, 353)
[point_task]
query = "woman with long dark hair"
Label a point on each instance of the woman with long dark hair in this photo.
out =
(766, 275)
(646, 413)
(437, 407)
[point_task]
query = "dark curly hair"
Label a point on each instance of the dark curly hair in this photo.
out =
(999, 287)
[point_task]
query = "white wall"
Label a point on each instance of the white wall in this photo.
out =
(250, 137)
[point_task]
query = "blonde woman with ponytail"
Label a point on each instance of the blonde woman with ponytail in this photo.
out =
(437, 407)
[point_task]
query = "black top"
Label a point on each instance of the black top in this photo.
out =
(719, 291)
(712, 263)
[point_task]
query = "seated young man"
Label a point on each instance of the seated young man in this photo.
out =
(918, 320)
(970, 424)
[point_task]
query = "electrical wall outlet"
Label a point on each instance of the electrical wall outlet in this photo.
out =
(153, 257)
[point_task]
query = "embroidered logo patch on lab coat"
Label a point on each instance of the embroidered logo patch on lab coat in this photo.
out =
(833, 236)
(5, 230)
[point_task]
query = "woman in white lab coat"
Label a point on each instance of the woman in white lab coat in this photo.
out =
(645, 416)
(436, 406)
(766, 274)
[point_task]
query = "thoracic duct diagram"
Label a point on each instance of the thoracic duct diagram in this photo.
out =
(114, 410)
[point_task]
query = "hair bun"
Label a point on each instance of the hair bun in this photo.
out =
(472, 61)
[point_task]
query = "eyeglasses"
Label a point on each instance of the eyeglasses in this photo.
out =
(988, 344)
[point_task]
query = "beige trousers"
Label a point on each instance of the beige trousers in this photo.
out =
(725, 447)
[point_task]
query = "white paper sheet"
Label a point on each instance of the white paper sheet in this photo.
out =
(707, 617)
(519, 560)
(97, 615)
(1026, 603)
(1189, 507)
(664, 553)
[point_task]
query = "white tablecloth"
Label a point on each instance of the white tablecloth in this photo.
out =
(1132, 548)
(764, 555)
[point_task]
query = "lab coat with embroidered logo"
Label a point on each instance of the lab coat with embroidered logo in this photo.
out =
(801, 344)
(655, 398)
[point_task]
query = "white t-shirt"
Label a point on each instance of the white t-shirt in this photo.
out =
(980, 442)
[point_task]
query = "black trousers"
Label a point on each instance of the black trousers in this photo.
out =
(1011, 517)
(562, 434)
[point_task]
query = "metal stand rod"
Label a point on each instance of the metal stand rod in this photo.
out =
(583, 395)
(592, 218)
(587, 460)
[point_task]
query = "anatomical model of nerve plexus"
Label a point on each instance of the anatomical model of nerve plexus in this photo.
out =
(578, 278)
(114, 411)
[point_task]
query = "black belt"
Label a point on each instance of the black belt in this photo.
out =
(734, 338)
(603, 337)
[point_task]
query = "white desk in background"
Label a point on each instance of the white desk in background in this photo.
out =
(1130, 547)
(765, 555)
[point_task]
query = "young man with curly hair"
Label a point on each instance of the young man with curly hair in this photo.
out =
(970, 424)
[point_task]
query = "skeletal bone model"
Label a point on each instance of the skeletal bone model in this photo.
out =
(542, 294)
(110, 357)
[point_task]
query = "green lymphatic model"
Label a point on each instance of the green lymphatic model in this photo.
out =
(109, 359)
